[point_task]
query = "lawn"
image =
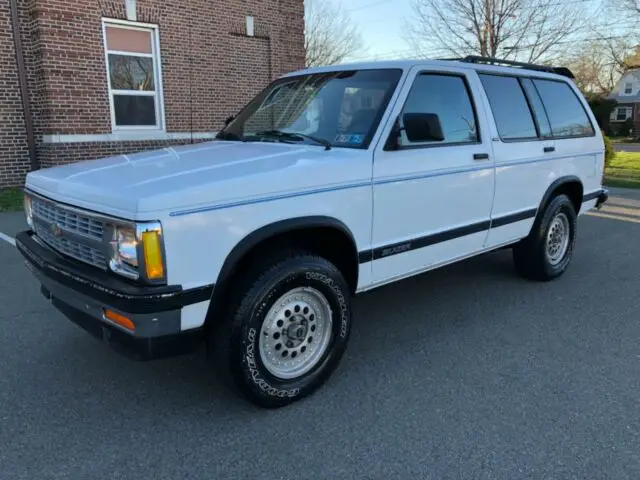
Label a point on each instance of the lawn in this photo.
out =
(624, 170)
(11, 199)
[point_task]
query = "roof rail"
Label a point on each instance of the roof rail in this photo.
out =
(564, 71)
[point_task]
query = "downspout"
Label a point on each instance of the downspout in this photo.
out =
(24, 90)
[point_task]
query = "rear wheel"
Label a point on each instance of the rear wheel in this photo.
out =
(287, 329)
(546, 253)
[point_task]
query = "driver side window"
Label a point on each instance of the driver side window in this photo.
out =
(447, 96)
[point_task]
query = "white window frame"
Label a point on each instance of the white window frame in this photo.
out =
(628, 112)
(160, 125)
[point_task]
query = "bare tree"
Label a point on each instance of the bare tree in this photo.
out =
(597, 67)
(527, 30)
(630, 5)
(330, 36)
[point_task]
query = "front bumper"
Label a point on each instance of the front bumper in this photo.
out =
(82, 293)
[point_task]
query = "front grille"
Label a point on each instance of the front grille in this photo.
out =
(70, 232)
(67, 219)
(73, 249)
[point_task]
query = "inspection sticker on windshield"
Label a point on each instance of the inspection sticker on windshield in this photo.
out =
(354, 139)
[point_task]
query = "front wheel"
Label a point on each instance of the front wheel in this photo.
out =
(288, 331)
(546, 253)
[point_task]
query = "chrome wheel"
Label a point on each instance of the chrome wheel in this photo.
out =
(295, 333)
(558, 238)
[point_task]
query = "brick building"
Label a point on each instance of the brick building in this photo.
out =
(105, 77)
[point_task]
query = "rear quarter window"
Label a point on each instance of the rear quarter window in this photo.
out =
(509, 106)
(566, 114)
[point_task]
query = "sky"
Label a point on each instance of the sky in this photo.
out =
(380, 22)
(381, 25)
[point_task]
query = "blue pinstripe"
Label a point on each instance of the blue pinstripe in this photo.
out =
(348, 186)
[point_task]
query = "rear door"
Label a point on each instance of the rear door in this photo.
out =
(541, 132)
(523, 145)
(579, 147)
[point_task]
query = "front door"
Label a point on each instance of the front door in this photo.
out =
(432, 200)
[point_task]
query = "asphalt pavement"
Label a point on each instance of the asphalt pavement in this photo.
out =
(627, 147)
(468, 372)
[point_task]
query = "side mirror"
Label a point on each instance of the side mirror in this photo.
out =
(229, 120)
(422, 127)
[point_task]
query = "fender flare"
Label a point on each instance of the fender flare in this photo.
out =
(558, 182)
(270, 230)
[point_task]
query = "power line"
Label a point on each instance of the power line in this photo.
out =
(369, 5)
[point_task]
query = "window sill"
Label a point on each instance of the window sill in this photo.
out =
(127, 136)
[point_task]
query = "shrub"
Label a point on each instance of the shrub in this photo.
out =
(609, 152)
(626, 130)
(602, 108)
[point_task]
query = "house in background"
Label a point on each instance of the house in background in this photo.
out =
(626, 115)
(106, 77)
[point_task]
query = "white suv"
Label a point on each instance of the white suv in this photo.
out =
(330, 182)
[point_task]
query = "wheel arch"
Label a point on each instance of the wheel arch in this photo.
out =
(340, 248)
(569, 185)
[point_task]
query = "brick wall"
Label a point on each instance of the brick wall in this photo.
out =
(14, 153)
(210, 69)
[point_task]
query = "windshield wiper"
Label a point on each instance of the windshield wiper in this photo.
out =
(222, 135)
(295, 136)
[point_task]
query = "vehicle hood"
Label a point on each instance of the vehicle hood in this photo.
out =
(172, 178)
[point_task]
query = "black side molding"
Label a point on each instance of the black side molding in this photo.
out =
(427, 240)
(602, 195)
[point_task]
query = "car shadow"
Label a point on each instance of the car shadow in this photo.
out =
(386, 321)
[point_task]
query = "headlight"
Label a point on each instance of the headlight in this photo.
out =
(27, 210)
(127, 246)
(137, 252)
(124, 252)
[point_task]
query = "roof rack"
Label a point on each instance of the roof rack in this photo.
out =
(564, 71)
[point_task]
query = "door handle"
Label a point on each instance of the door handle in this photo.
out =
(549, 149)
(481, 156)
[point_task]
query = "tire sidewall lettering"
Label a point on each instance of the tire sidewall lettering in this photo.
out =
(255, 372)
(344, 308)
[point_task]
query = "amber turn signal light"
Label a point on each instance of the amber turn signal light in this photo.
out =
(119, 319)
(152, 255)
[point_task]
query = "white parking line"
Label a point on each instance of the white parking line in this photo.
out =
(7, 239)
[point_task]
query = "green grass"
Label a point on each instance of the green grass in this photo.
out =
(10, 199)
(624, 170)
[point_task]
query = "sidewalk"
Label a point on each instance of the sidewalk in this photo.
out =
(12, 222)
(633, 193)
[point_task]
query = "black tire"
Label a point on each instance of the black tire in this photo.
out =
(530, 254)
(236, 343)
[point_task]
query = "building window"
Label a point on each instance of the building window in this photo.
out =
(133, 74)
(628, 88)
(620, 114)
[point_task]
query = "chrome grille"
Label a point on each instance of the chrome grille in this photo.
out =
(70, 232)
(66, 219)
(69, 247)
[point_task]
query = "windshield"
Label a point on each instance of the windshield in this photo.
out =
(340, 109)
